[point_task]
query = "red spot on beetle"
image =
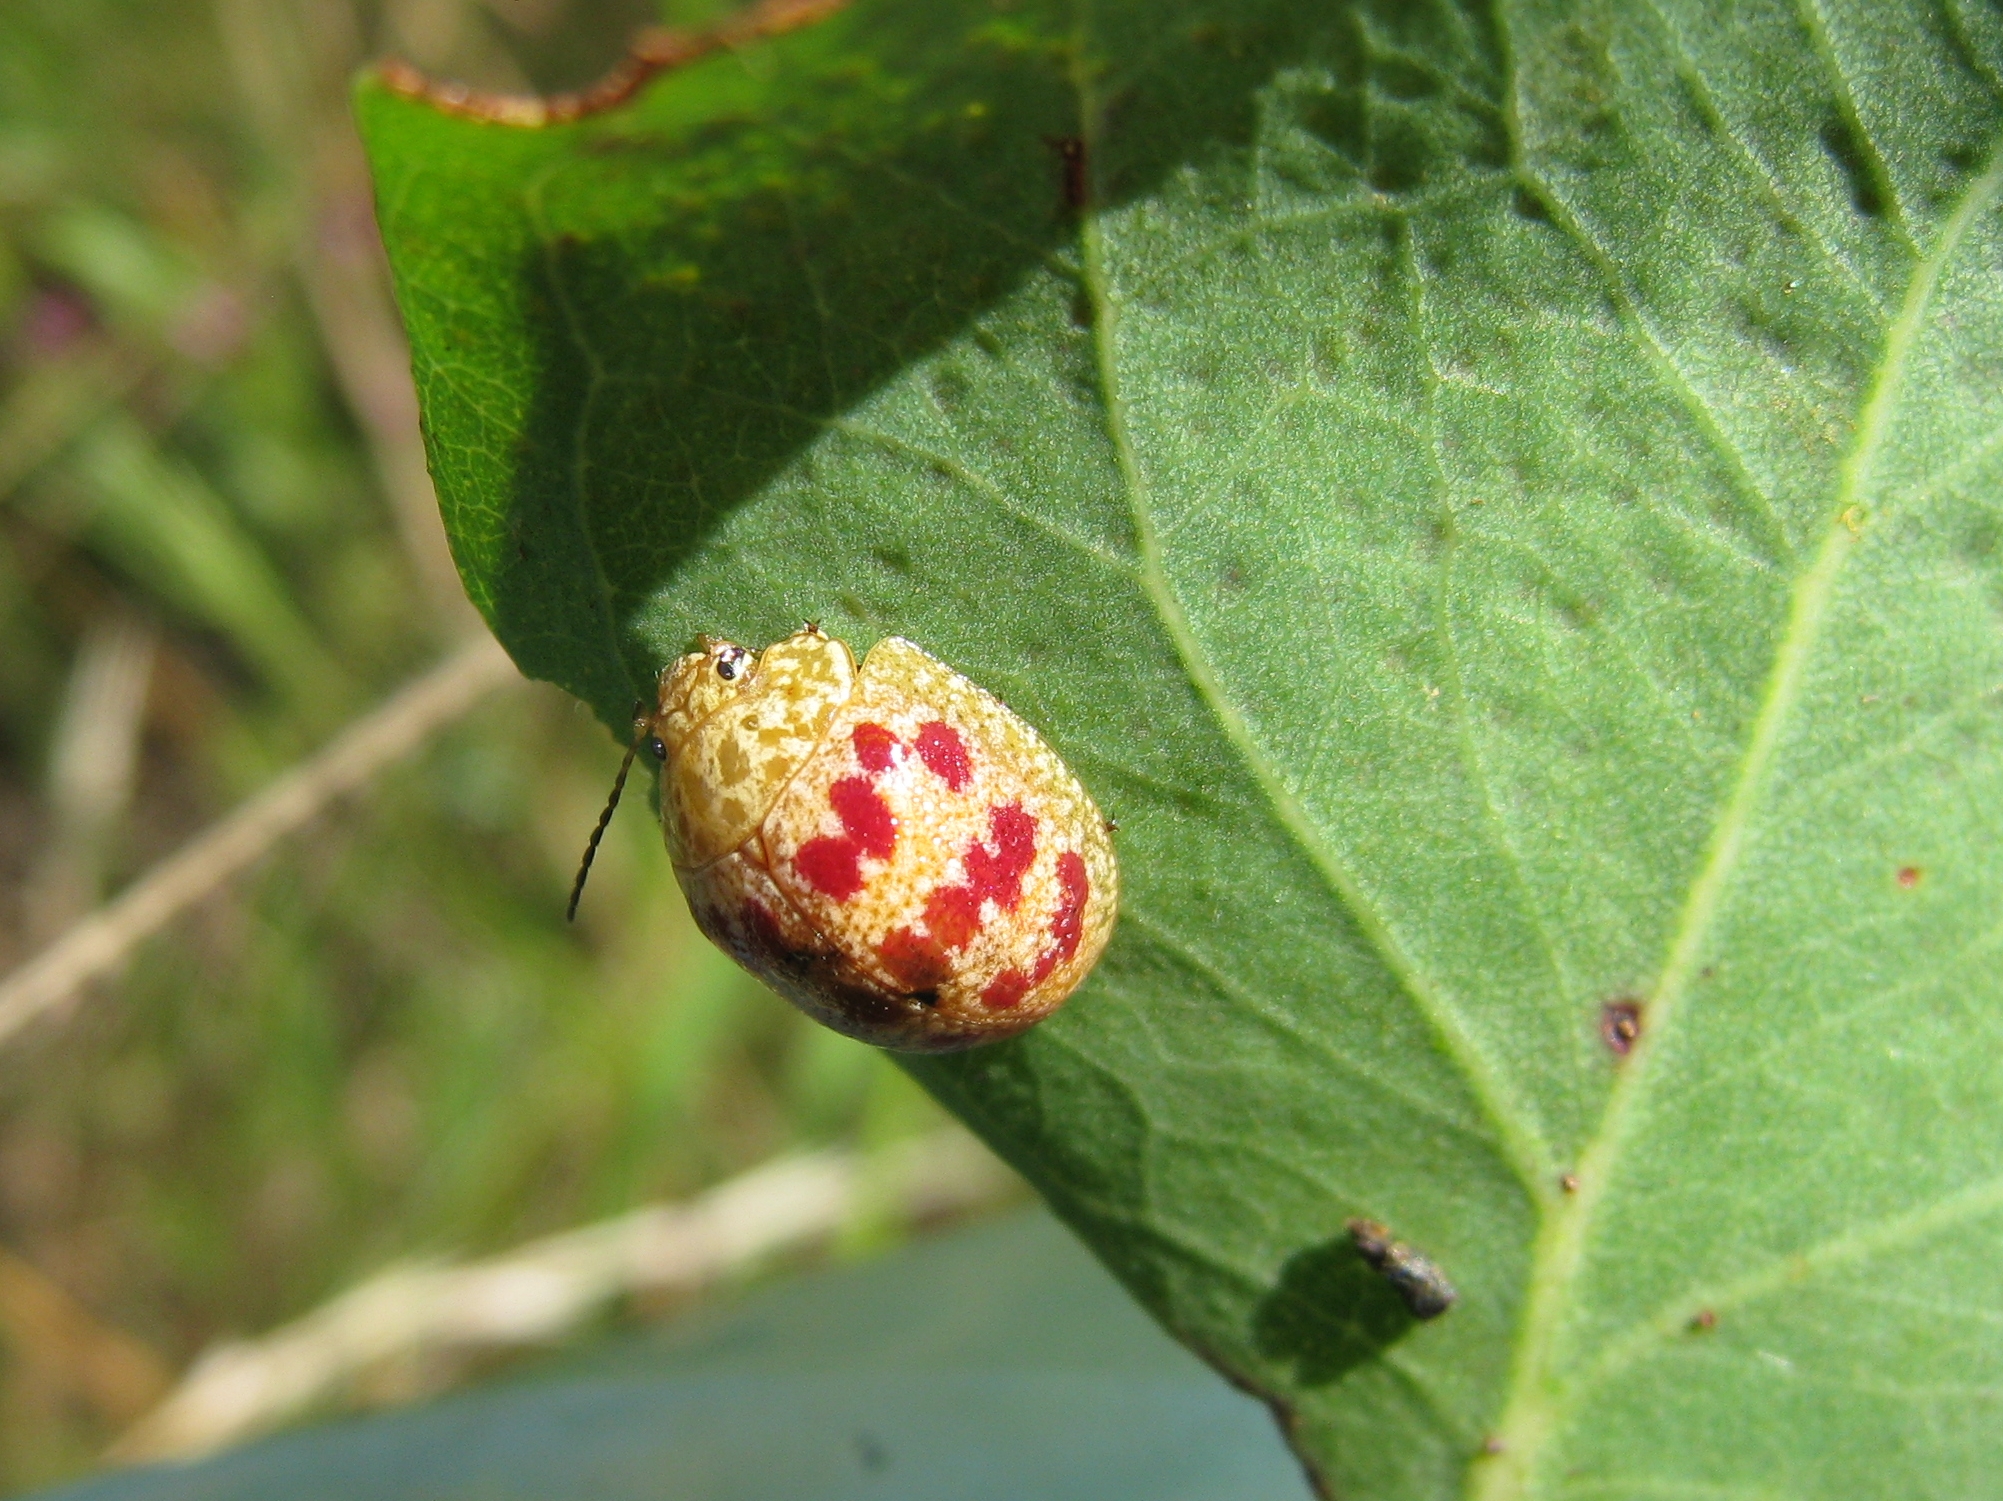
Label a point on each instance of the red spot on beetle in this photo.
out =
(875, 747)
(829, 866)
(832, 865)
(953, 915)
(1005, 990)
(1620, 1026)
(914, 960)
(866, 817)
(763, 938)
(1909, 876)
(1067, 924)
(1067, 927)
(997, 875)
(942, 749)
(762, 925)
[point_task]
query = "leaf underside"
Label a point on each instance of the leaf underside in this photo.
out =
(1500, 502)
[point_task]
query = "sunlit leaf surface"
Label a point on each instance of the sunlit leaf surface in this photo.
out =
(1500, 502)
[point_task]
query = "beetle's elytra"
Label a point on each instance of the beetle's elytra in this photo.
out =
(888, 847)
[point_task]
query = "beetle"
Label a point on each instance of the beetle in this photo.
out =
(887, 845)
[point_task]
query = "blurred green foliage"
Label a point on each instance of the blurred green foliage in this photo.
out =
(217, 546)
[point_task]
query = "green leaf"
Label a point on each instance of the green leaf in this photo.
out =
(1500, 502)
(994, 1365)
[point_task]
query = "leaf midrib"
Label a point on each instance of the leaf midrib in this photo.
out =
(1528, 1155)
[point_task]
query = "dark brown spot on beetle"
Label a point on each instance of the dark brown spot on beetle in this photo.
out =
(1620, 1025)
(915, 960)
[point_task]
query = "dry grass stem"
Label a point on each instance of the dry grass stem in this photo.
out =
(93, 764)
(547, 1288)
(99, 943)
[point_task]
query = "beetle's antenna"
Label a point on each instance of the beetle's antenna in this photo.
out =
(605, 818)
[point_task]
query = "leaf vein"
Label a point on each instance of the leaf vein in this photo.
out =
(1533, 1414)
(1521, 1144)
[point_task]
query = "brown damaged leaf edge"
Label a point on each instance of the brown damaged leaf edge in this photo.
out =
(654, 50)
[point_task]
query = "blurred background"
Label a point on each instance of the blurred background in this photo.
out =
(218, 551)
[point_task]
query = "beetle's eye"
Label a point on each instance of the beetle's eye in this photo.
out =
(730, 663)
(658, 748)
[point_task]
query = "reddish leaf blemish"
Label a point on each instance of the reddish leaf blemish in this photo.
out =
(875, 747)
(1620, 1026)
(1909, 876)
(942, 750)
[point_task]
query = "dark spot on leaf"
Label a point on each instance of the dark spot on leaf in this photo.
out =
(1339, 119)
(949, 389)
(1329, 350)
(1402, 78)
(1620, 1025)
(1569, 1182)
(1328, 1314)
(896, 558)
(1399, 156)
(1081, 309)
(1490, 146)
(1529, 206)
(1073, 170)
(1910, 876)
(1844, 149)
(870, 1454)
(1703, 1321)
